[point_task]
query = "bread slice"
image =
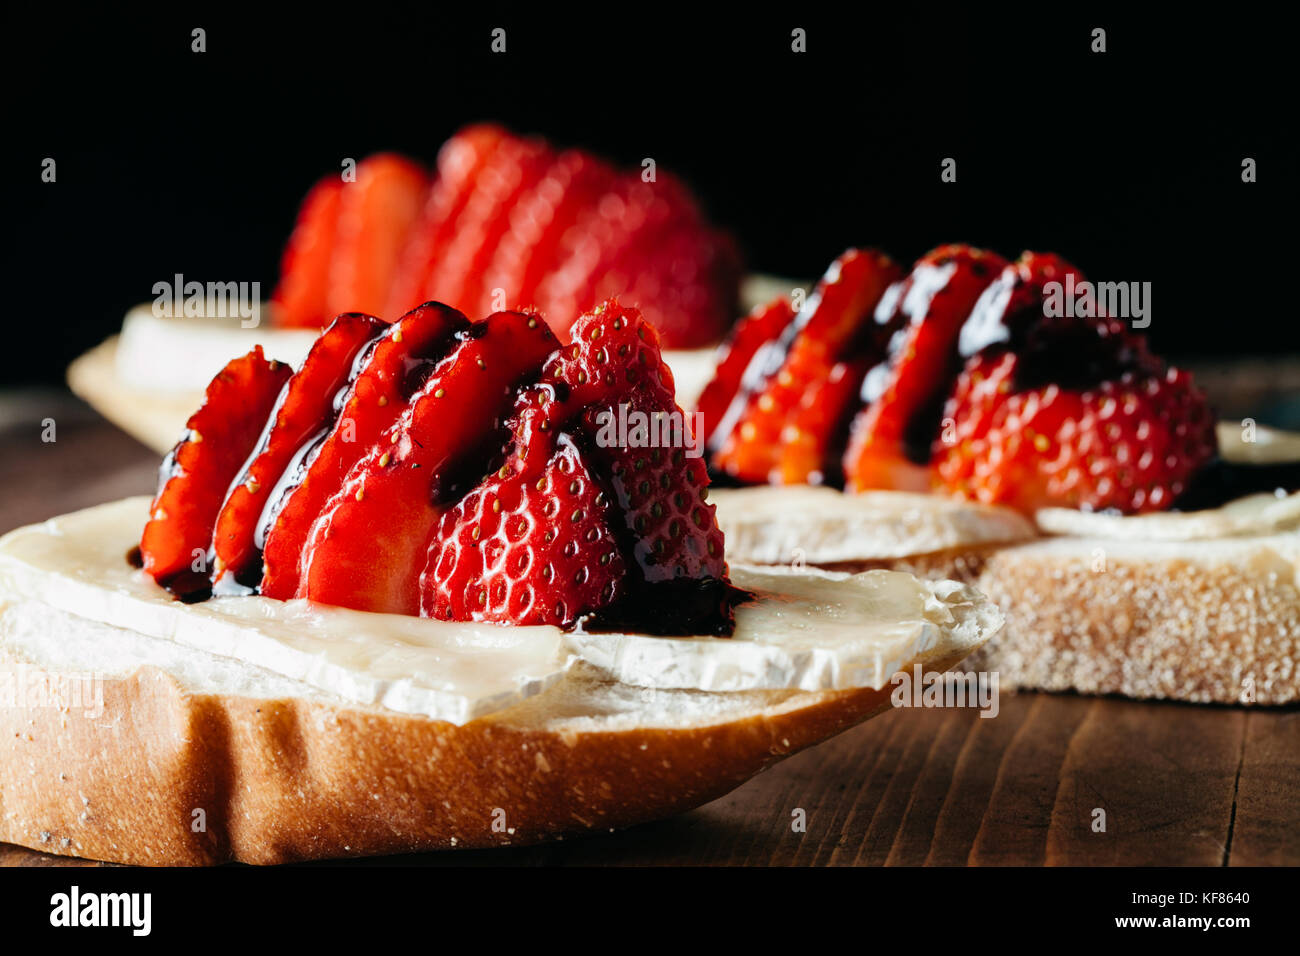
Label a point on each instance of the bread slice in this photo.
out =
(191, 757)
(1210, 614)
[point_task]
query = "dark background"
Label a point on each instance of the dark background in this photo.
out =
(1127, 162)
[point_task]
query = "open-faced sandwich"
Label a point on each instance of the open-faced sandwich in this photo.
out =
(420, 593)
(940, 420)
(504, 222)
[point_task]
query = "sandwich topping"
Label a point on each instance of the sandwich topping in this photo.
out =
(957, 378)
(448, 469)
(509, 221)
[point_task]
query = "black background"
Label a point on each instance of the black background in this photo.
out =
(1127, 162)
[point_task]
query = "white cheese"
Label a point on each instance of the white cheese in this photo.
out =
(793, 524)
(805, 630)
(174, 354)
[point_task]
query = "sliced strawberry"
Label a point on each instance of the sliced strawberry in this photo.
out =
(683, 276)
(792, 426)
(513, 170)
(299, 297)
(891, 436)
(602, 237)
(303, 413)
(738, 363)
(198, 471)
(395, 368)
(376, 215)
(540, 222)
(460, 161)
(368, 547)
(528, 546)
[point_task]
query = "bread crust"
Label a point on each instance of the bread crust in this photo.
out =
(294, 779)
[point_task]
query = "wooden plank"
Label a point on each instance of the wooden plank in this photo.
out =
(1266, 825)
(1014, 828)
(1165, 775)
(974, 777)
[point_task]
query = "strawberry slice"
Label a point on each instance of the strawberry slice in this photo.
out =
(792, 425)
(736, 366)
(376, 214)
(299, 297)
(368, 547)
(512, 171)
(198, 471)
(394, 370)
(603, 236)
(524, 548)
(891, 436)
(460, 163)
(304, 411)
(683, 276)
(540, 223)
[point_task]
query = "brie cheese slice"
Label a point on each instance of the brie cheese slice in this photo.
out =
(794, 524)
(809, 630)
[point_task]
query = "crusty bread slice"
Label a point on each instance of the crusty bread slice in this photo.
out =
(1211, 619)
(191, 757)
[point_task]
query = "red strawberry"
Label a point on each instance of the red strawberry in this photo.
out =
(789, 429)
(737, 371)
(460, 162)
(646, 241)
(376, 215)
(1130, 443)
(197, 473)
(891, 436)
(300, 295)
(684, 277)
(393, 371)
(304, 411)
(648, 501)
(538, 225)
(527, 550)
(512, 172)
(367, 548)
(615, 360)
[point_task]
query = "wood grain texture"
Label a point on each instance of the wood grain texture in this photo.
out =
(1180, 784)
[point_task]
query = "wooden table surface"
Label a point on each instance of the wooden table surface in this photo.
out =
(1179, 784)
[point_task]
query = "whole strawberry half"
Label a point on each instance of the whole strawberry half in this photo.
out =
(1070, 411)
(1130, 443)
(580, 519)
